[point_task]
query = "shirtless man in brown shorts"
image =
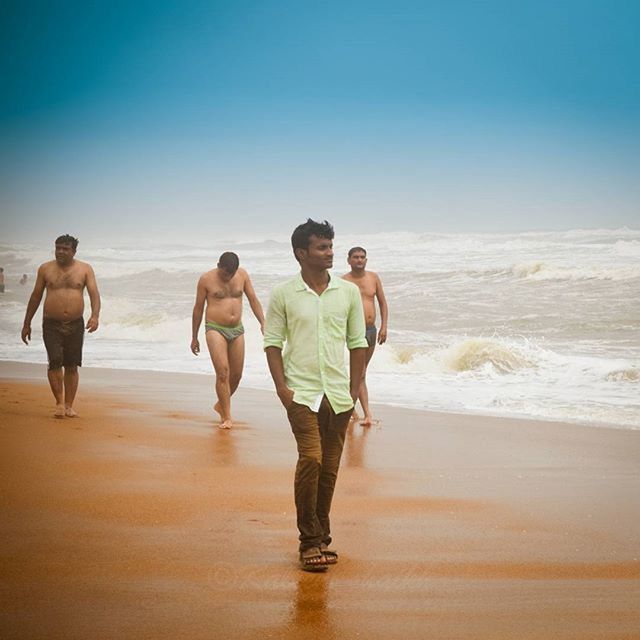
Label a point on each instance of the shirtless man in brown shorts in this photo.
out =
(65, 280)
(222, 289)
(370, 287)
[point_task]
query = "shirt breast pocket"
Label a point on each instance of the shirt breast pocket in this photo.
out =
(335, 321)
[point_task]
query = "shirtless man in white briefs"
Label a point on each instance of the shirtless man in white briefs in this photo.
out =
(222, 289)
(370, 288)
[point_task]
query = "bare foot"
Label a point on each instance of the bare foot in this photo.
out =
(70, 412)
(366, 421)
(59, 412)
(225, 423)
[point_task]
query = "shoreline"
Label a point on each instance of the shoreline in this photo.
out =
(33, 371)
(141, 519)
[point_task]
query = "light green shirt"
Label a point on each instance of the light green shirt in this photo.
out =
(316, 329)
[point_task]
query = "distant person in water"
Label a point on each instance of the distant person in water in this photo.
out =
(23, 280)
(222, 289)
(64, 280)
(370, 287)
(1, 280)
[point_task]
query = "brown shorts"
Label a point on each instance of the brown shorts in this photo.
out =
(63, 340)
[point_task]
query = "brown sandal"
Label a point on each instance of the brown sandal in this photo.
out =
(313, 560)
(330, 555)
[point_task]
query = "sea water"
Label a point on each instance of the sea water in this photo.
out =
(538, 324)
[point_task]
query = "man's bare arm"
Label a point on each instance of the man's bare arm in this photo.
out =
(196, 318)
(357, 360)
(33, 304)
(384, 311)
(254, 303)
(94, 299)
(276, 367)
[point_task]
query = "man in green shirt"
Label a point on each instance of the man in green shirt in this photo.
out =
(316, 316)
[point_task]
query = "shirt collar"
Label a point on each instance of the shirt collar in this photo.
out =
(301, 285)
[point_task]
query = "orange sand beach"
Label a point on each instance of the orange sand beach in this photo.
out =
(140, 519)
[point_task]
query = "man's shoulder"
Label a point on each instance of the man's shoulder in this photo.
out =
(356, 282)
(212, 274)
(287, 289)
(47, 270)
(242, 275)
(349, 285)
(84, 266)
(366, 276)
(291, 284)
(45, 266)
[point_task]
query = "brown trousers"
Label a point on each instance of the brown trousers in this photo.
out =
(320, 439)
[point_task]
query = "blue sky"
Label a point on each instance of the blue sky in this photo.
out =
(157, 118)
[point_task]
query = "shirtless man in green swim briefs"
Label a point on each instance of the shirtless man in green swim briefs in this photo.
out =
(222, 290)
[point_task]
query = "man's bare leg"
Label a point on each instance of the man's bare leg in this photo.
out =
(218, 351)
(71, 378)
(363, 396)
(56, 383)
(235, 352)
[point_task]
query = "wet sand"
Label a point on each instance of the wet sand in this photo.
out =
(140, 519)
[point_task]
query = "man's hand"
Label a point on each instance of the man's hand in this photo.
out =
(286, 396)
(92, 324)
(195, 347)
(382, 336)
(26, 333)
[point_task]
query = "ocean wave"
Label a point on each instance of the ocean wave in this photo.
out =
(631, 374)
(526, 270)
(477, 353)
(543, 271)
(407, 359)
(470, 354)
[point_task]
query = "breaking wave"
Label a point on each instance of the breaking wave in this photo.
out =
(624, 375)
(477, 353)
(544, 271)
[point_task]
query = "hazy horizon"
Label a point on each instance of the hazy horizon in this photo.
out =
(190, 119)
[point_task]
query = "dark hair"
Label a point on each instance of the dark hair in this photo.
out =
(229, 261)
(354, 249)
(302, 233)
(67, 239)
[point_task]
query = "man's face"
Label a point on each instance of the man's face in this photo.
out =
(357, 260)
(64, 253)
(319, 254)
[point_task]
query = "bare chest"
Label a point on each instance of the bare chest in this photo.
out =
(367, 288)
(58, 280)
(224, 292)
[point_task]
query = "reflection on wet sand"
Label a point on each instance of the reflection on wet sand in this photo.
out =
(310, 615)
(354, 450)
(225, 451)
